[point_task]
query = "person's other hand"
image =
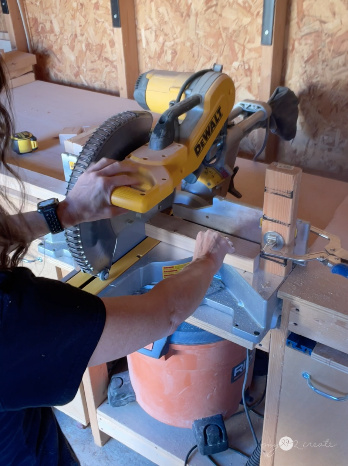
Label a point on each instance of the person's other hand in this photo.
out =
(89, 199)
(214, 246)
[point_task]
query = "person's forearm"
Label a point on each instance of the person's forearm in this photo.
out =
(133, 322)
(35, 224)
(182, 293)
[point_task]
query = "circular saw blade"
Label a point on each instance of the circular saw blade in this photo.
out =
(92, 244)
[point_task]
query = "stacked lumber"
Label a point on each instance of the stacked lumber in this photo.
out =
(19, 67)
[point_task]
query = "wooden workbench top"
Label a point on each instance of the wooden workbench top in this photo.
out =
(45, 109)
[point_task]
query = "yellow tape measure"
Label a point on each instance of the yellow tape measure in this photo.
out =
(24, 142)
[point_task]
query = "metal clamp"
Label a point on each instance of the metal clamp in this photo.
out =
(306, 376)
(332, 254)
(29, 261)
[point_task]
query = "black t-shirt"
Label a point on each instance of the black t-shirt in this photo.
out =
(48, 332)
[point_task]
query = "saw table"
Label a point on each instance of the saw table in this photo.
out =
(313, 300)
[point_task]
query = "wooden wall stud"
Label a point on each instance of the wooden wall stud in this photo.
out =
(127, 51)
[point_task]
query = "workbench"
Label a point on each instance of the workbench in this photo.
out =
(314, 301)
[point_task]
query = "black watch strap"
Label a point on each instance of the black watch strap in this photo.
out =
(49, 210)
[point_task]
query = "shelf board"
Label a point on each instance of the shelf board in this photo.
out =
(164, 444)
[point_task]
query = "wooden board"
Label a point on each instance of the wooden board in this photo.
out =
(45, 108)
(168, 445)
(74, 145)
(178, 232)
(17, 61)
(331, 357)
(272, 72)
(274, 379)
(22, 80)
(36, 185)
(126, 44)
(282, 189)
(16, 24)
(77, 408)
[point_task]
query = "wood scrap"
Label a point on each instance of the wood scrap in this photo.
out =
(75, 144)
(69, 132)
(19, 67)
(181, 233)
(21, 80)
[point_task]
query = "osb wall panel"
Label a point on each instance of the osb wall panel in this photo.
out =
(317, 70)
(190, 35)
(74, 42)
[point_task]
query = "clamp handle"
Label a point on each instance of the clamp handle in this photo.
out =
(340, 269)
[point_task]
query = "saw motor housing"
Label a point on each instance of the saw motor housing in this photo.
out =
(183, 135)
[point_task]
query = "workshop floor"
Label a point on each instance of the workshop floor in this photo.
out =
(117, 454)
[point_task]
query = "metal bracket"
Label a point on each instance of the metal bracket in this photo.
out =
(4, 7)
(267, 22)
(115, 13)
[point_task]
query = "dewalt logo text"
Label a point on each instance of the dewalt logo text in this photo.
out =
(208, 132)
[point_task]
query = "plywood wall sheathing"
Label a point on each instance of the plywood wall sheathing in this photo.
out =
(316, 70)
(77, 45)
(75, 40)
(193, 35)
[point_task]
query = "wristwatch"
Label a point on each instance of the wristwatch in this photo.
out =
(48, 209)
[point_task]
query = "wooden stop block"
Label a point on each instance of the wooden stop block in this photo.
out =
(282, 188)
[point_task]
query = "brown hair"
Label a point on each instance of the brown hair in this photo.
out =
(13, 244)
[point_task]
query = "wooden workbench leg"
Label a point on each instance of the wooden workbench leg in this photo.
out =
(278, 338)
(95, 382)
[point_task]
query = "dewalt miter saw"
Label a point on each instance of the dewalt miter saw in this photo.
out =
(193, 145)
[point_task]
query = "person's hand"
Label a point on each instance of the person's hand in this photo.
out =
(89, 200)
(212, 245)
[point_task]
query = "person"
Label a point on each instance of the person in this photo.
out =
(50, 331)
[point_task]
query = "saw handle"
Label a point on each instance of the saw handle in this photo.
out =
(153, 187)
(340, 269)
(164, 132)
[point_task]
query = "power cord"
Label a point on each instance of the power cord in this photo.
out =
(264, 142)
(246, 408)
(188, 82)
(189, 454)
(211, 459)
(254, 459)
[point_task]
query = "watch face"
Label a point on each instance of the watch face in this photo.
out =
(47, 203)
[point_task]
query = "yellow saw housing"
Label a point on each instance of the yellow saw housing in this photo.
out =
(194, 110)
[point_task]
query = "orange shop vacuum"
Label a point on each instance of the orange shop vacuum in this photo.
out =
(190, 375)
